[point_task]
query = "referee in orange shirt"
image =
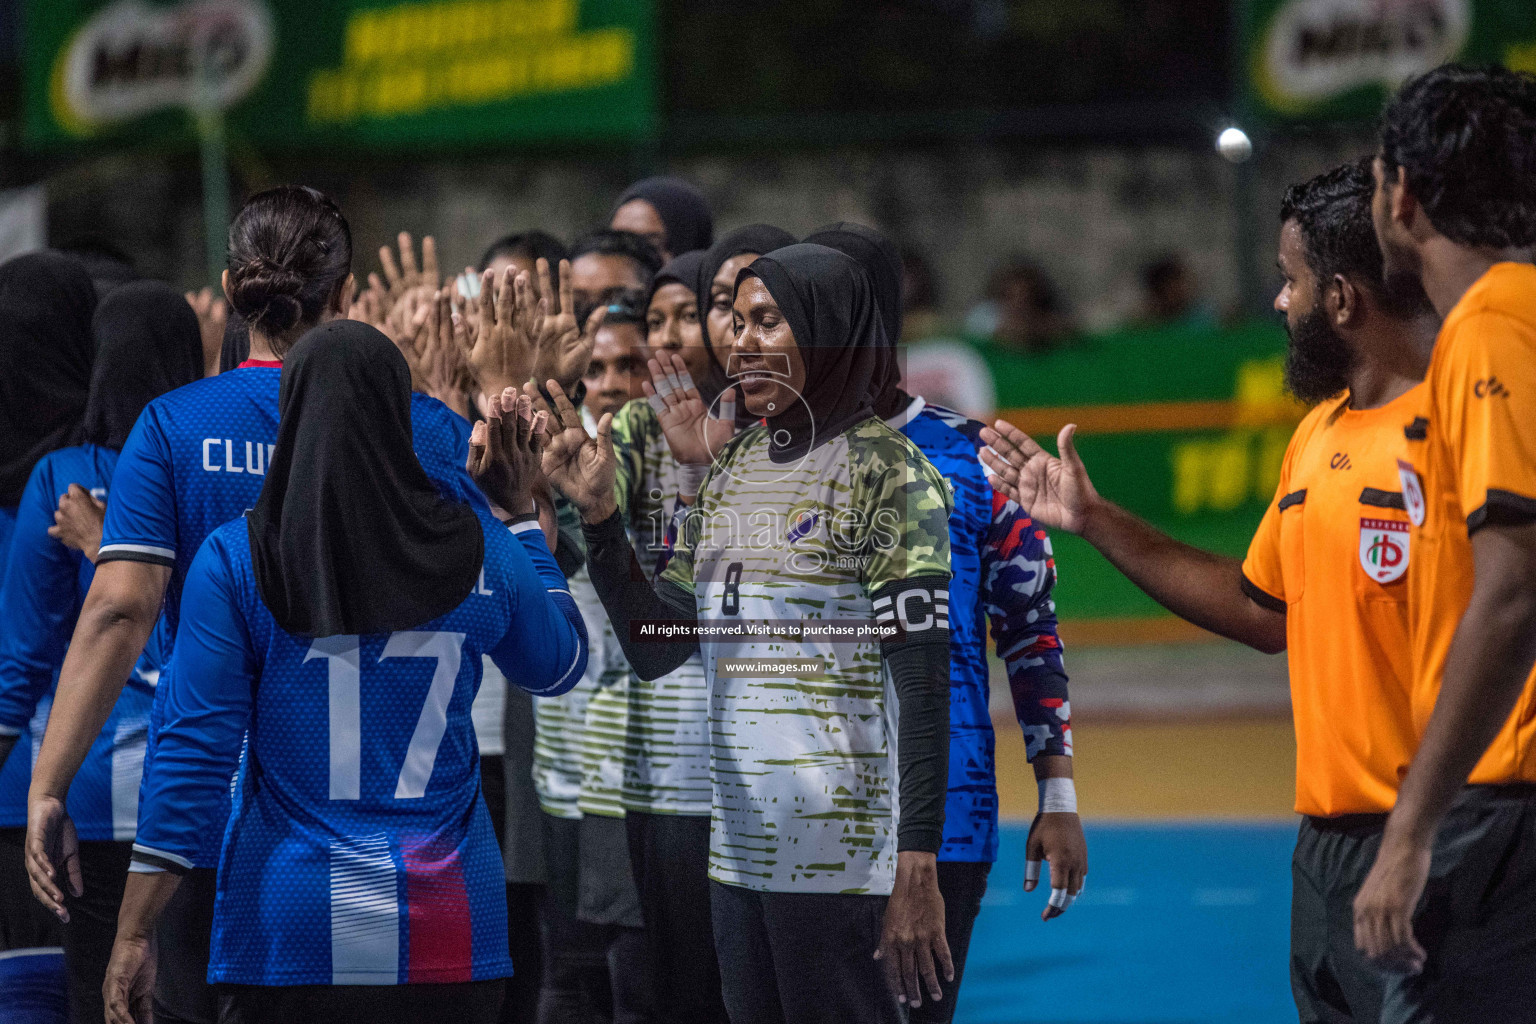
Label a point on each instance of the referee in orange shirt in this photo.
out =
(1451, 900)
(1326, 574)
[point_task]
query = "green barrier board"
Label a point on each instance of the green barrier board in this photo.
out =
(1187, 428)
(340, 74)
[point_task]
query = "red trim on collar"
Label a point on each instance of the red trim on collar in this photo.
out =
(276, 364)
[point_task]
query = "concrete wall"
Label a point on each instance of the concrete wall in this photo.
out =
(1091, 215)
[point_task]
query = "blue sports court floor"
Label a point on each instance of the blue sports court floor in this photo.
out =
(1179, 923)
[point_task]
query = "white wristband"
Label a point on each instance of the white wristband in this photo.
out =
(691, 478)
(1057, 796)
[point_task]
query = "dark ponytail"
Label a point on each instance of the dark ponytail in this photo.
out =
(290, 251)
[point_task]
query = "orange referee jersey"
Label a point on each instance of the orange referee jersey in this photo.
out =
(1477, 462)
(1333, 552)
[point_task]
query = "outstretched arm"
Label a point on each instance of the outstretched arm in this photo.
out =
(584, 468)
(1204, 588)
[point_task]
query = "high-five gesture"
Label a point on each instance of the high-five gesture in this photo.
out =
(694, 434)
(436, 362)
(401, 277)
(581, 467)
(561, 348)
(493, 344)
(506, 450)
(1056, 491)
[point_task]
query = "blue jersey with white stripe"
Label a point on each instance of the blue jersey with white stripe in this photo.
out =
(45, 586)
(1003, 572)
(360, 851)
(197, 458)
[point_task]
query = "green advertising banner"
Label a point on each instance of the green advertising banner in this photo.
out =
(1336, 60)
(1186, 427)
(340, 73)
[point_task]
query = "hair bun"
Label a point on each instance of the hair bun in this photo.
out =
(290, 251)
(266, 295)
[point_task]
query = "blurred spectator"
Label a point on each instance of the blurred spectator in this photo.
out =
(522, 251)
(1171, 295)
(108, 265)
(1024, 311)
(920, 296)
(948, 372)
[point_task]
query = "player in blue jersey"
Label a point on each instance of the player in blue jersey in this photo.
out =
(338, 628)
(196, 459)
(46, 301)
(1003, 573)
(147, 342)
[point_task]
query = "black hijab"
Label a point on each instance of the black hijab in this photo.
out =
(683, 210)
(147, 343)
(830, 307)
(881, 260)
(758, 238)
(683, 270)
(349, 534)
(46, 302)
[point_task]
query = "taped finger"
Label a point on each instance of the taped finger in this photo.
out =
(1031, 872)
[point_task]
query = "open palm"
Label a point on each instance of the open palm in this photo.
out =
(1056, 492)
(578, 465)
(561, 347)
(693, 434)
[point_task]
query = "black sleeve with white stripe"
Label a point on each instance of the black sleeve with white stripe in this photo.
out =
(153, 554)
(147, 860)
(917, 607)
(918, 659)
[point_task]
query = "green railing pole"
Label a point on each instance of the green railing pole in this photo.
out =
(215, 159)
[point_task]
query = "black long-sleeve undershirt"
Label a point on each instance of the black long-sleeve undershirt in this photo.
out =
(918, 661)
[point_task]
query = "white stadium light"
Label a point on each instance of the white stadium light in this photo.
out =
(1234, 144)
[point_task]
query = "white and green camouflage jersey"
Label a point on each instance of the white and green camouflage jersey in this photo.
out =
(805, 788)
(666, 750)
(576, 761)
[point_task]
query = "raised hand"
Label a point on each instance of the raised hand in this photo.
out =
(77, 523)
(581, 467)
(401, 277)
(1056, 492)
(506, 451)
(491, 338)
(694, 434)
(212, 314)
(372, 306)
(561, 348)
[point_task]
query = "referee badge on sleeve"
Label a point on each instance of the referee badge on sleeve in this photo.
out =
(1413, 492)
(1384, 549)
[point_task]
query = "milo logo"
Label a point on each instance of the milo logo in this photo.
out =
(131, 59)
(1315, 50)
